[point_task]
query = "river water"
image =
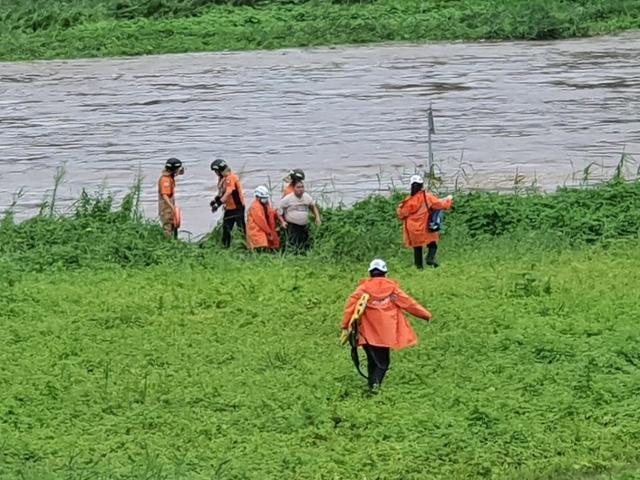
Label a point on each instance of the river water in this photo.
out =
(353, 118)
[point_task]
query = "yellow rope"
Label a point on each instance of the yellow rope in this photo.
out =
(357, 315)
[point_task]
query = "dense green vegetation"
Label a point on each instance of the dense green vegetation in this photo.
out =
(88, 28)
(127, 355)
(99, 233)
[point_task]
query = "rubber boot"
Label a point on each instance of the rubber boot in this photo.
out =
(431, 255)
(418, 258)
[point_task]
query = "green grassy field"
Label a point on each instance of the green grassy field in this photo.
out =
(44, 29)
(128, 356)
(233, 370)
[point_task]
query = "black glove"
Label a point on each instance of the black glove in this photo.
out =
(215, 204)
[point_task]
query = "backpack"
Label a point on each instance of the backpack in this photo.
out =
(436, 219)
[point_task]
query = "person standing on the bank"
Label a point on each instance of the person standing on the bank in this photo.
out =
(166, 196)
(262, 231)
(414, 211)
(383, 325)
(231, 196)
(294, 175)
(294, 216)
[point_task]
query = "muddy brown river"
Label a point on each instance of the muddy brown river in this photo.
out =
(353, 118)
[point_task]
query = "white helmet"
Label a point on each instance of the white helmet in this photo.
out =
(378, 264)
(261, 192)
(416, 179)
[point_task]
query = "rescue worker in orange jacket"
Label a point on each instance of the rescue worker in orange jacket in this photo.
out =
(262, 230)
(294, 176)
(231, 196)
(383, 325)
(166, 196)
(414, 211)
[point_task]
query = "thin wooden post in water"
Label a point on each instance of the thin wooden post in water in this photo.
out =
(430, 130)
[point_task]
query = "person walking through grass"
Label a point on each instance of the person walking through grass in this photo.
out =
(415, 212)
(382, 325)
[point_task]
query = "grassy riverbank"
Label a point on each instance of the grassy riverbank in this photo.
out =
(38, 29)
(129, 356)
(232, 370)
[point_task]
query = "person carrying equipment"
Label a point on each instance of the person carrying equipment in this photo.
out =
(417, 212)
(168, 211)
(374, 320)
(293, 176)
(262, 232)
(231, 196)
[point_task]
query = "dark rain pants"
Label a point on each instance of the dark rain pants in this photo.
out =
(231, 218)
(418, 255)
(378, 359)
(298, 237)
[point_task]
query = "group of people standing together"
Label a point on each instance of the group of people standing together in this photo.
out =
(375, 311)
(418, 212)
(259, 223)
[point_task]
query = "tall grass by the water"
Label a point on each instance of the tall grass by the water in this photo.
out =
(98, 232)
(89, 28)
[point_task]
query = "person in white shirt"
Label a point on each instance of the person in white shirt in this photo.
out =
(294, 215)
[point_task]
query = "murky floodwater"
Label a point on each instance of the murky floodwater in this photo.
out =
(348, 116)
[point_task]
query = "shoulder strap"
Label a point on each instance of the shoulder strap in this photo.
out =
(426, 202)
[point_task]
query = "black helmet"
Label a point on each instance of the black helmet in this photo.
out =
(173, 164)
(219, 165)
(296, 174)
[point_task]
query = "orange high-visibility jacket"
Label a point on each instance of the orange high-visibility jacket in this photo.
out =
(383, 323)
(261, 226)
(287, 190)
(231, 184)
(414, 212)
(166, 186)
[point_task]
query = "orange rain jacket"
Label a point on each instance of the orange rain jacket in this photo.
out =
(383, 323)
(261, 226)
(414, 211)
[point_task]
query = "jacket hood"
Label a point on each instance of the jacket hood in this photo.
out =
(378, 288)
